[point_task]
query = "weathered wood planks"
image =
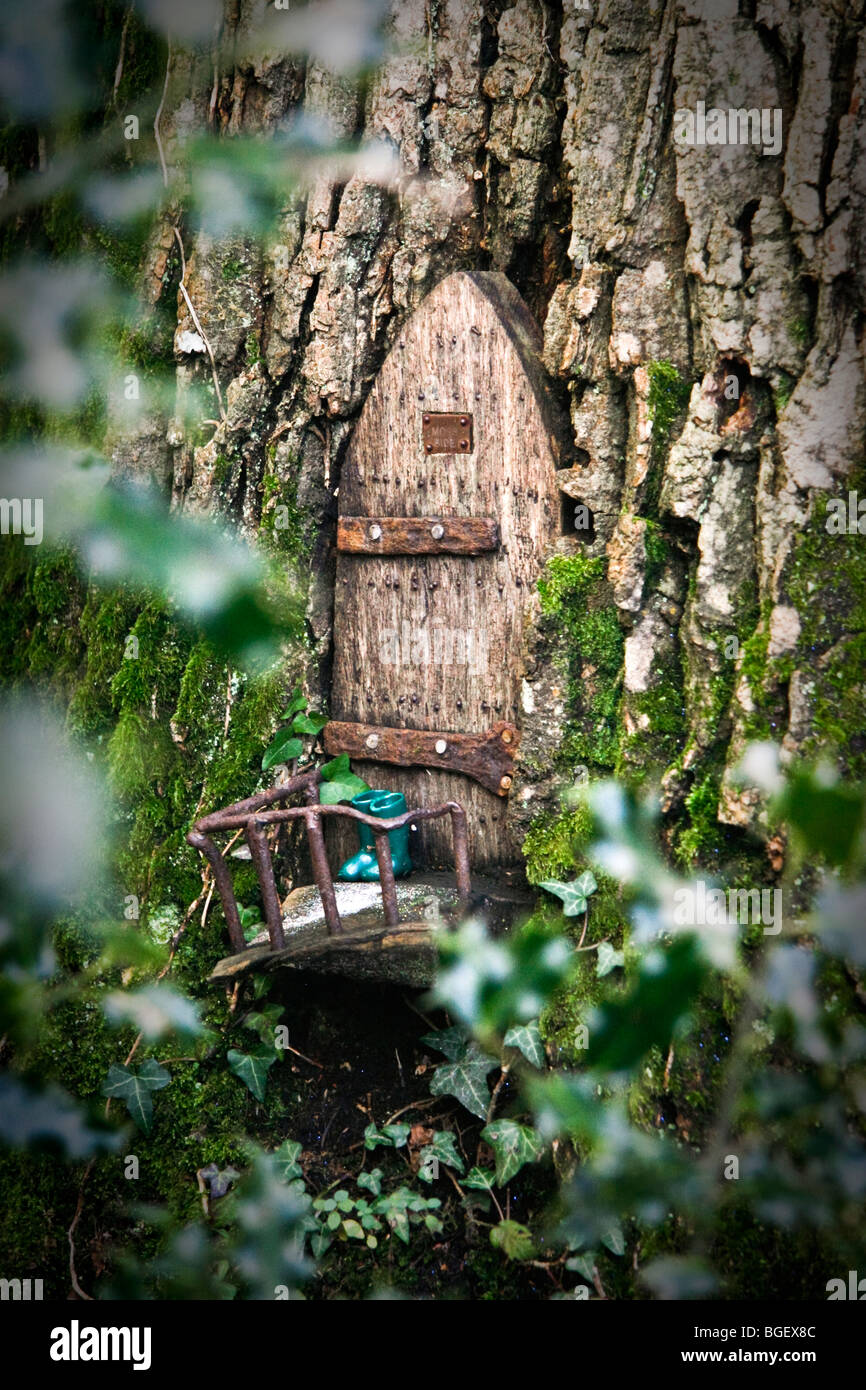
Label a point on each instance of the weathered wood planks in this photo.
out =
(432, 641)
(416, 535)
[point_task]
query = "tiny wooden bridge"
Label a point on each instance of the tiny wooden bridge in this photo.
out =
(257, 813)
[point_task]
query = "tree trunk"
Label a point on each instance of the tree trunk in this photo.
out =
(702, 315)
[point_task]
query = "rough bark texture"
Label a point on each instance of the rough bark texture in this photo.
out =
(538, 140)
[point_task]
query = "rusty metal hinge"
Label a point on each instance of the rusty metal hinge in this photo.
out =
(446, 432)
(416, 535)
(487, 758)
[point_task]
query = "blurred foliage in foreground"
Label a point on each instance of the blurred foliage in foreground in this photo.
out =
(785, 1146)
(638, 1203)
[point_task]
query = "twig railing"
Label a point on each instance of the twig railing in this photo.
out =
(254, 815)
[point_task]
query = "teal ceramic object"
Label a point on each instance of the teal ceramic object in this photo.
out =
(363, 867)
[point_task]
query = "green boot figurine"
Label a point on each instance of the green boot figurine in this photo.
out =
(363, 867)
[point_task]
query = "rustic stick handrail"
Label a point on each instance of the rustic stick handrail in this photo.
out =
(254, 814)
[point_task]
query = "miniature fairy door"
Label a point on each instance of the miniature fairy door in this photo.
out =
(447, 503)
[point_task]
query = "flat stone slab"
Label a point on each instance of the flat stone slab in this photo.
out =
(367, 949)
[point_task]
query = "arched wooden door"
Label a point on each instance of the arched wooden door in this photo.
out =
(447, 502)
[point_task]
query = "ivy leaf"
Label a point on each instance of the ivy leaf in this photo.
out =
(252, 1068)
(354, 1230)
(372, 1181)
(481, 1179)
(153, 1011)
(613, 1238)
(440, 1150)
(286, 1158)
(513, 1145)
(467, 1080)
(219, 1180)
(583, 1264)
(283, 748)
(298, 702)
(514, 1240)
(399, 1223)
(319, 1244)
(339, 782)
(390, 1137)
(264, 1021)
(608, 959)
(573, 895)
(309, 723)
(452, 1042)
(526, 1037)
(134, 1088)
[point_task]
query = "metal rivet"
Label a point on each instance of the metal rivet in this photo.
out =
(437, 532)
(505, 783)
(464, 444)
(426, 419)
(372, 740)
(375, 533)
(441, 745)
(429, 448)
(463, 420)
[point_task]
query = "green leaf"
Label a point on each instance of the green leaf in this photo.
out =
(337, 767)
(480, 1178)
(264, 1021)
(526, 1037)
(309, 723)
(153, 1011)
(252, 1068)
(585, 883)
(467, 1080)
(134, 1088)
(613, 1238)
(827, 815)
(608, 959)
(493, 983)
(573, 895)
(342, 789)
(514, 1240)
(372, 1181)
(583, 1264)
(513, 1145)
(354, 1230)
(283, 748)
(452, 1042)
(297, 702)
(319, 1244)
(626, 1028)
(441, 1149)
(286, 1157)
(390, 1137)
(399, 1223)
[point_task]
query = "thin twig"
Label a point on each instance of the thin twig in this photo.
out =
(158, 116)
(71, 1232)
(118, 71)
(197, 321)
(228, 706)
(312, 1061)
(496, 1089)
